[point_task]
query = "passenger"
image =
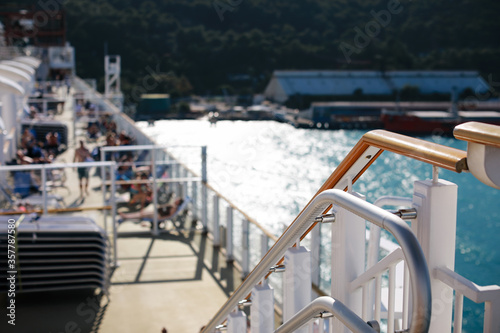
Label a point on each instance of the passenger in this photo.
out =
(23, 159)
(52, 144)
(27, 139)
(164, 212)
(82, 154)
(124, 138)
(33, 112)
(111, 141)
(141, 192)
(93, 131)
(36, 153)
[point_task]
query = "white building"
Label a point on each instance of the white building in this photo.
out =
(284, 84)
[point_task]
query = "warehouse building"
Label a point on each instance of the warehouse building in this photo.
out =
(284, 84)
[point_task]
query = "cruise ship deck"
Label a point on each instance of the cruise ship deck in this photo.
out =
(174, 280)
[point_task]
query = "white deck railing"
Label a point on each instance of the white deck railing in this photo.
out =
(489, 295)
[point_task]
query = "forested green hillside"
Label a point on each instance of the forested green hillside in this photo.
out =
(201, 46)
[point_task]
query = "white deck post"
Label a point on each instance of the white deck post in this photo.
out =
(229, 234)
(315, 253)
(435, 227)
(204, 190)
(177, 173)
(184, 189)
(264, 244)
(216, 228)
(491, 317)
(262, 309)
(245, 238)
(348, 260)
(44, 189)
(113, 216)
(237, 322)
(155, 191)
(194, 196)
(297, 282)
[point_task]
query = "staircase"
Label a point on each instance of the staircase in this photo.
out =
(411, 288)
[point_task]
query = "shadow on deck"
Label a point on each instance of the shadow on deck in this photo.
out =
(175, 280)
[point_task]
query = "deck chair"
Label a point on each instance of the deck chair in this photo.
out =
(36, 199)
(180, 210)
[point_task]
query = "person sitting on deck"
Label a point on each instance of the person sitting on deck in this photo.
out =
(165, 212)
(52, 144)
(93, 131)
(27, 138)
(37, 154)
(125, 170)
(140, 192)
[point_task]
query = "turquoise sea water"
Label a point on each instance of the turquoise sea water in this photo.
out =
(271, 170)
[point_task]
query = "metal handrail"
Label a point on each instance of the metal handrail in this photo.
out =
(369, 148)
(414, 257)
(328, 304)
(373, 144)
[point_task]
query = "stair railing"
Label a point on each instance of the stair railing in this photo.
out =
(359, 159)
(413, 254)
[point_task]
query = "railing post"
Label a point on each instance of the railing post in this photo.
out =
(113, 217)
(491, 318)
(177, 174)
(262, 309)
(435, 228)
(194, 197)
(184, 188)
(237, 322)
(216, 228)
(315, 253)
(74, 122)
(264, 244)
(44, 189)
(204, 190)
(103, 186)
(297, 282)
(229, 234)
(348, 259)
(245, 247)
(155, 192)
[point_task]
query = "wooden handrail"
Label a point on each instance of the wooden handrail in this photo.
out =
(485, 134)
(432, 153)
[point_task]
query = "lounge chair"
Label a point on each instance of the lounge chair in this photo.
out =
(34, 199)
(178, 212)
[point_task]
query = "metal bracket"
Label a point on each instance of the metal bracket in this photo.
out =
(406, 214)
(221, 328)
(244, 303)
(325, 218)
(277, 269)
(324, 314)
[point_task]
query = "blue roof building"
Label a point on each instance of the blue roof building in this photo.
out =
(284, 84)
